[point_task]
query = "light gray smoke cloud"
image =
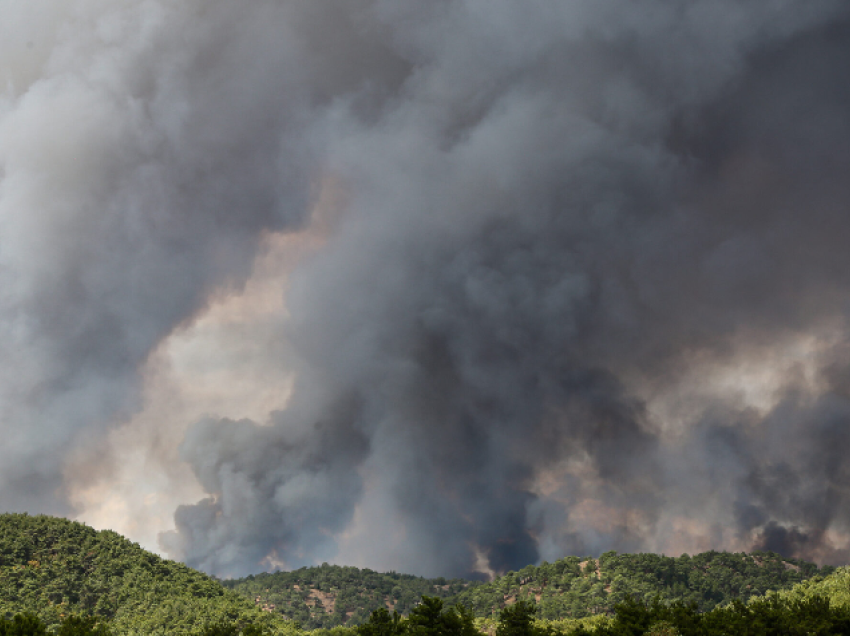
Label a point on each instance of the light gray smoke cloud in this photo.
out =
(559, 220)
(140, 162)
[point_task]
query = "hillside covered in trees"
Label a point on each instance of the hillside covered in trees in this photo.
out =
(54, 567)
(575, 587)
(817, 610)
(572, 587)
(331, 595)
(67, 574)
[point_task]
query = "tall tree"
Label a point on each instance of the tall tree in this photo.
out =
(382, 623)
(517, 620)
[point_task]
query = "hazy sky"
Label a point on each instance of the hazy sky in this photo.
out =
(434, 286)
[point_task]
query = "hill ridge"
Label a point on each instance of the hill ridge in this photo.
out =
(54, 567)
(569, 587)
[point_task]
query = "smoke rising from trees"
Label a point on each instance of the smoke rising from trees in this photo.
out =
(583, 285)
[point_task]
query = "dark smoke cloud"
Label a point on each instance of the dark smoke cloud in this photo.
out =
(556, 200)
(560, 222)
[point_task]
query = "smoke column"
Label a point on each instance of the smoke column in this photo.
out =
(578, 276)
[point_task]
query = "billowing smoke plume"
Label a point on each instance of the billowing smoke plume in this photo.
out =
(584, 287)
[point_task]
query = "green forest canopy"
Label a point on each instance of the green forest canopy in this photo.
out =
(57, 568)
(329, 596)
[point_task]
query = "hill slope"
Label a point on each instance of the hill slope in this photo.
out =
(54, 567)
(332, 595)
(574, 587)
(328, 596)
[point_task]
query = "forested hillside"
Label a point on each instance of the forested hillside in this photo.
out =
(820, 605)
(55, 567)
(574, 587)
(331, 595)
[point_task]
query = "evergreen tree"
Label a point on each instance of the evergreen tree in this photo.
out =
(82, 626)
(382, 623)
(517, 620)
(26, 624)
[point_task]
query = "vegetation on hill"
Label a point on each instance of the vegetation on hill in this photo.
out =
(763, 616)
(64, 578)
(54, 568)
(430, 618)
(574, 587)
(804, 612)
(331, 595)
(835, 587)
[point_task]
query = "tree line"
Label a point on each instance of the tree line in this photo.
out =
(61, 577)
(572, 587)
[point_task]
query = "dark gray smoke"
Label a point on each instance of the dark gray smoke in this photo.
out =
(575, 240)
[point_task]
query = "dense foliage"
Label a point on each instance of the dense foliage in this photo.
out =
(330, 595)
(835, 587)
(765, 616)
(55, 567)
(64, 578)
(429, 618)
(29, 624)
(574, 587)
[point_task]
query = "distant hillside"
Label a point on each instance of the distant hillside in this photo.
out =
(574, 587)
(54, 567)
(331, 595)
(820, 605)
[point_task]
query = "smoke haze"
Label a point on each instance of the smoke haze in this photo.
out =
(435, 287)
